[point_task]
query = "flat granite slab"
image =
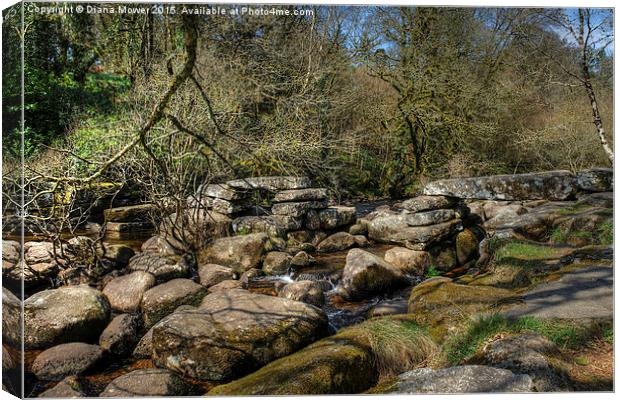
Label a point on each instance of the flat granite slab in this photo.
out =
(585, 293)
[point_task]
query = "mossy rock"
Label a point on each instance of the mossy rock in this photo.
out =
(507, 277)
(349, 362)
(442, 304)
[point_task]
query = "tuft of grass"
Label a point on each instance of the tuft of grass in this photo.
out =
(397, 345)
(431, 272)
(605, 233)
(557, 236)
(608, 334)
(564, 334)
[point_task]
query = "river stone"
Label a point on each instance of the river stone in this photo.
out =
(410, 262)
(429, 217)
(277, 263)
(337, 216)
(527, 353)
(147, 382)
(301, 195)
(212, 274)
(425, 203)
(366, 274)
(65, 359)
(358, 229)
(70, 387)
(288, 222)
(162, 268)
(43, 261)
(117, 254)
(493, 209)
(161, 300)
(117, 229)
(466, 245)
(238, 252)
(10, 255)
(233, 333)
(310, 292)
(137, 213)
(248, 276)
(221, 191)
(462, 379)
(596, 180)
(549, 185)
(336, 242)
(297, 209)
(161, 246)
(302, 259)
(125, 292)
(144, 348)
(258, 224)
(271, 183)
(194, 224)
(120, 336)
(226, 285)
(11, 318)
(66, 314)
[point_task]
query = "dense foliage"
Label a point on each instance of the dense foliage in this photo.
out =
(368, 101)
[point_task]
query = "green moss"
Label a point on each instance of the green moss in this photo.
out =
(575, 208)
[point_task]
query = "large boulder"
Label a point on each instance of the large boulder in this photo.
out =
(337, 242)
(66, 314)
(393, 228)
(233, 333)
(144, 348)
(161, 300)
(596, 180)
(238, 252)
(65, 359)
(271, 183)
(148, 382)
(121, 335)
(550, 185)
(461, 379)
(366, 274)
(528, 353)
(212, 274)
(277, 263)
(162, 268)
(125, 292)
(467, 244)
(337, 216)
(70, 387)
(10, 256)
(330, 366)
(310, 292)
(11, 318)
(410, 262)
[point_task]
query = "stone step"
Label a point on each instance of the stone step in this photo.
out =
(271, 183)
(301, 195)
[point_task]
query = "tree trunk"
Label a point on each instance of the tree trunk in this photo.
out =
(587, 83)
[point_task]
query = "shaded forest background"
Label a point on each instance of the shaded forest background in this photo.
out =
(368, 101)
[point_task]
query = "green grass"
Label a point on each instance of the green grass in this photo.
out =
(605, 233)
(575, 208)
(564, 334)
(608, 334)
(431, 272)
(397, 345)
(527, 252)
